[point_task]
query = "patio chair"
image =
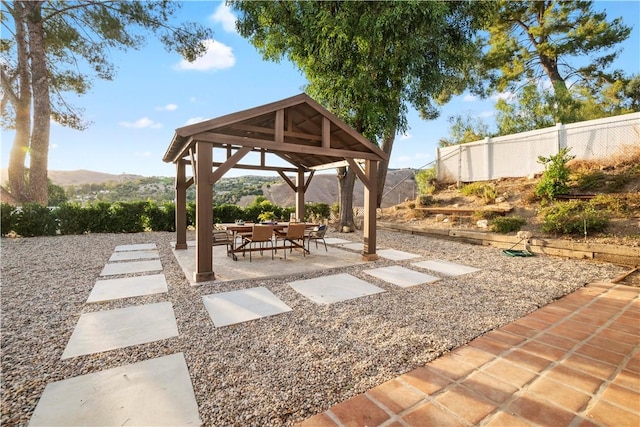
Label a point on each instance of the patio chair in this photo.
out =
(223, 238)
(260, 234)
(317, 233)
(295, 237)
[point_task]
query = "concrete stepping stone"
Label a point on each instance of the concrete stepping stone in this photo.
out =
(111, 269)
(131, 255)
(110, 329)
(401, 276)
(126, 287)
(138, 247)
(446, 267)
(335, 288)
(229, 308)
(336, 241)
(154, 392)
(396, 255)
(357, 246)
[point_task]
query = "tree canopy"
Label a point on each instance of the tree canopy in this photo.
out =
(52, 49)
(369, 61)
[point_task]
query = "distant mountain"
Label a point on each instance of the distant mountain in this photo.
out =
(79, 177)
(323, 188)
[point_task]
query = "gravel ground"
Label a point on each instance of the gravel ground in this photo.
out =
(277, 370)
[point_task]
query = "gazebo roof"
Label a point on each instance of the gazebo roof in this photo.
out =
(297, 129)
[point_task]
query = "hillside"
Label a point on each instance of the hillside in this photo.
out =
(84, 185)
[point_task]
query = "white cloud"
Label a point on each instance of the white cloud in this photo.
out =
(142, 123)
(405, 136)
(193, 120)
(223, 16)
(486, 114)
(507, 96)
(168, 107)
(218, 57)
(470, 98)
(143, 154)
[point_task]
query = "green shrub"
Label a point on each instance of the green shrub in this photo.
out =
(482, 214)
(99, 217)
(227, 213)
(316, 212)
(573, 217)
(591, 180)
(128, 217)
(425, 179)
(33, 219)
(425, 200)
(72, 218)
(506, 224)
(191, 214)
(556, 175)
(615, 206)
(161, 217)
(487, 192)
(6, 218)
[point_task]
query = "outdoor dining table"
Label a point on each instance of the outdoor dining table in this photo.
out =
(279, 230)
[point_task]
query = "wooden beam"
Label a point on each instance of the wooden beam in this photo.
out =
(204, 214)
(288, 181)
(326, 133)
(286, 147)
(279, 126)
(358, 170)
(181, 207)
(258, 168)
(306, 184)
(300, 195)
(192, 156)
(287, 133)
(189, 182)
(231, 162)
(370, 206)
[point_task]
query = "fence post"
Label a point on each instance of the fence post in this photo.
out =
(489, 145)
(459, 166)
(562, 136)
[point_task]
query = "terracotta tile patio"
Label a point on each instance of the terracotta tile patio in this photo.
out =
(575, 362)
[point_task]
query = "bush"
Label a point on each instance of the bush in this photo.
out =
(425, 179)
(72, 218)
(506, 224)
(128, 217)
(487, 192)
(573, 217)
(424, 200)
(556, 175)
(482, 214)
(227, 213)
(6, 218)
(99, 217)
(161, 217)
(316, 212)
(615, 206)
(33, 219)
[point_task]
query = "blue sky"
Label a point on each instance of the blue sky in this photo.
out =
(134, 116)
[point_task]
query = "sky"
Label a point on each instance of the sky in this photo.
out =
(133, 117)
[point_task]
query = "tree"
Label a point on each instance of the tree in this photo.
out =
(368, 61)
(532, 40)
(465, 129)
(51, 42)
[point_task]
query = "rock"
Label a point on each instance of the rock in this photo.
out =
(500, 199)
(524, 235)
(483, 223)
(440, 218)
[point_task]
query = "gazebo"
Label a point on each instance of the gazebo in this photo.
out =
(296, 129)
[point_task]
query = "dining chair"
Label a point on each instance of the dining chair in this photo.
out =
(316, 234)
(295, 237)
(223, 238)
(260, 234)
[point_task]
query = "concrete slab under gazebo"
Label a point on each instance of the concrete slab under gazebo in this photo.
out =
(296, 129)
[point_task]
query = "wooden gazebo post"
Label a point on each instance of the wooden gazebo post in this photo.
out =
(370, 203)
(181, 206)
(300, 188)
(204, 212)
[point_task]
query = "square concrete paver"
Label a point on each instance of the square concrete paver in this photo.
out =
(395, 255)
(357, 246)
(129, 255)
(336, 288)
(126, 287)
(131, 267)
(154, 392)
(401, 276)
(123, 327)
(446, 267)
(336, 241)
(138, 247)
(229, 308)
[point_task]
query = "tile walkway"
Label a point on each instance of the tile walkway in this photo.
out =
(574, 362)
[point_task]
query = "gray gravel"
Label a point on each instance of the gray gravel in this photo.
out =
(277, 370)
